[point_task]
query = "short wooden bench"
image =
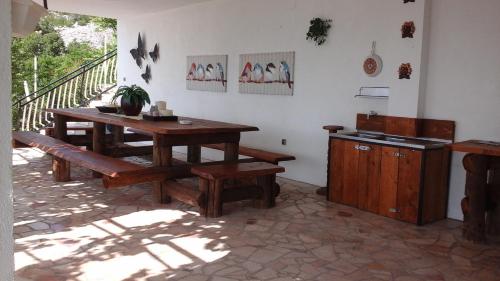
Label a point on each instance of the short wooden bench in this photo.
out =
(116, 172)
(220, 184)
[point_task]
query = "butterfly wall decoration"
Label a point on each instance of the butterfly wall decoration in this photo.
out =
(139, 53)
(147, 75)
(155, 54)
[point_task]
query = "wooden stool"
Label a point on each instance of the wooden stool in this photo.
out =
(223, 183)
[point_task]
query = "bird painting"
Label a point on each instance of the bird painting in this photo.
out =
(219, 73)
(270, 72)
(139, 53)
(258, 73)
(147, 75)
(285, 76)
(200, 73)
(246, 75)
(192, 72)
(155, 54)
(209, 72)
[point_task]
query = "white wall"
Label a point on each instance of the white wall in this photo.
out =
(464, 76)
(326, 78)
(458, 80)
(6, 216)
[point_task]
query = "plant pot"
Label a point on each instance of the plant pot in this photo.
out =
(130, 109)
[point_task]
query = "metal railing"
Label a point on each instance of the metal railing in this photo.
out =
(74, 89)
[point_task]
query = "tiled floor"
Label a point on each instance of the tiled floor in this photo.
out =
(80, 231)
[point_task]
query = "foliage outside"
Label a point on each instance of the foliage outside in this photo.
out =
(54, 58)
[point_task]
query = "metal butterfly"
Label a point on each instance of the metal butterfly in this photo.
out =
(139, 54)
(147, 75)
(155, 54)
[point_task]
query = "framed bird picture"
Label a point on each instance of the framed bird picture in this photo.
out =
(267, 73)
(207, 73)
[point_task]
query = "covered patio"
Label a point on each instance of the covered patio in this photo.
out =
(283, 140)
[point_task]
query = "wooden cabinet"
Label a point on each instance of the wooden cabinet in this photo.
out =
(406, 184)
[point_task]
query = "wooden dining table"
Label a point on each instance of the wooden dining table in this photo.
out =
(165, 134)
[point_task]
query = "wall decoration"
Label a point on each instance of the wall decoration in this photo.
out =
(268, 73)
(207, 73)
(405, 71)
(373, 63)
(147, 75)
(139, 53)
(406, 1)
(155, 54)
(408, 29)
(318, 31)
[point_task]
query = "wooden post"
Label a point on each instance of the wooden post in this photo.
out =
(231, 151)
(118, 134)
(493, 196)
(203, 185)
(268, 193)
(475, 190)
(215, 189)
(194, 154)
(60, 127)
(98, 142)
(162, 157)
(60, 169)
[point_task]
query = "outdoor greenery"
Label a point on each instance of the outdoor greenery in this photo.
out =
(54, 58)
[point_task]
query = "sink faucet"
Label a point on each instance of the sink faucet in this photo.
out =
(370, 114)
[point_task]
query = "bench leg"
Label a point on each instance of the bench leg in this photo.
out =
(215, 188)
(268, 184)
(60, 169)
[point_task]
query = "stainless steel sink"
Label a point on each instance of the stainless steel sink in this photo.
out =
(417, 143)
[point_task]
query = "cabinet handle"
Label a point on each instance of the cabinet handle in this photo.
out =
(400, 155)
(362, 147)
(394, 210)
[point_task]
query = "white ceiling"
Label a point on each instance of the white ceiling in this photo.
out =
(115, 8)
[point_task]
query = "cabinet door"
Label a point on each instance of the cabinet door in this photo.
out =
(343, 172)
(388, 203)
(350, 179)
(369, 177)
(409, 184)
(336, 170)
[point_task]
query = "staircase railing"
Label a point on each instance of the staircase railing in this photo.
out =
(74, 89)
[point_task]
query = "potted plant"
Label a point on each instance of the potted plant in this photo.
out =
(133, 99)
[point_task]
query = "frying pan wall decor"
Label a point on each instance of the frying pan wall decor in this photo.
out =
(373, 63)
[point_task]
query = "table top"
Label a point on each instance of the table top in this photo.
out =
(199, 126)
(477, 147)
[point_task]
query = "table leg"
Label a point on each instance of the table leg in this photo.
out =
(231, 151)
(493, 195)
(194, 153)
(162, 156)
(60, 167)
(118, 134)
(98, 141)
(474, 204)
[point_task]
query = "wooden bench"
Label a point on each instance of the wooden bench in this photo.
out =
(258, 154)
(116, 172)
(220, 184)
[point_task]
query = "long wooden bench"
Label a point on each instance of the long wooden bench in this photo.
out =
(220, 184)
(116, 172)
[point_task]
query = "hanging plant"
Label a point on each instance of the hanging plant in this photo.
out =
(318, 31)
